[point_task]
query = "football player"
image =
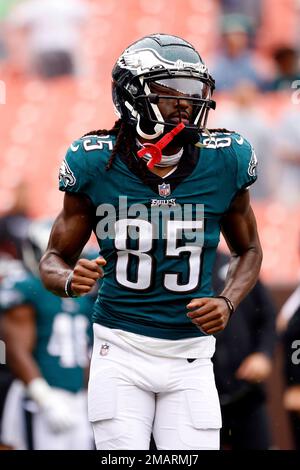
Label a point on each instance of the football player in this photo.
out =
(157, 189)
(47, 340)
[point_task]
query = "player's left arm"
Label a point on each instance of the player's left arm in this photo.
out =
(239, 229)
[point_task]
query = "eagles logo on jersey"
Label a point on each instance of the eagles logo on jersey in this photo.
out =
(252, 164)
(66, 176)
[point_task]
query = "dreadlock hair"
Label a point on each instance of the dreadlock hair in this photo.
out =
(125, 141)
(221, 129)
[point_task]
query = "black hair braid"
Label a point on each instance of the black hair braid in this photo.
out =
(125, 140)
(118, 145)
(221, 129)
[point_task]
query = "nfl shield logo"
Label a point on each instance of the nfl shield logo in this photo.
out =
(104, 349)
(164, 190)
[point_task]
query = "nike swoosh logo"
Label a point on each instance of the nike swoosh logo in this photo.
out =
(74, 147)
(240, 140)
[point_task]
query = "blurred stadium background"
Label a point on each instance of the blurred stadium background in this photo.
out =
(41, 113)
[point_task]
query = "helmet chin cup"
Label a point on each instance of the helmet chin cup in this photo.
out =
(157, 128)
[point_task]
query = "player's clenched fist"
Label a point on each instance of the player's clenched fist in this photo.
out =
(209, 314)
(85, 275)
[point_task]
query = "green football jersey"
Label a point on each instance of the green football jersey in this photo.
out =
(63, 329)
(158, 235)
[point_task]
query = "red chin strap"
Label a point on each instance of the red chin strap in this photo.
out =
(154, 150)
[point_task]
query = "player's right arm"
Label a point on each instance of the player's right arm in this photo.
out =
(70, 233)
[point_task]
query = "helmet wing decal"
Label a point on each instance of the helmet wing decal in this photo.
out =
(145, 59)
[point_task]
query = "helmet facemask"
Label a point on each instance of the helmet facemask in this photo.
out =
(146, 113)
(179, 89)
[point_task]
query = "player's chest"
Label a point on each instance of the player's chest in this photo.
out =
(122, 196)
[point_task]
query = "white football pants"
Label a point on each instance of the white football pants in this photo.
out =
(132, 394)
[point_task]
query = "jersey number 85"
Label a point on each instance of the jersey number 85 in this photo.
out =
(142, 261)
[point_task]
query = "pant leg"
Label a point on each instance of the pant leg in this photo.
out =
(129, 428)
(120, 410)
(82, 433)
(6, 379)
(188, 416)
(13, 430)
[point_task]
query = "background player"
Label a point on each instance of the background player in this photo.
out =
(47, 341)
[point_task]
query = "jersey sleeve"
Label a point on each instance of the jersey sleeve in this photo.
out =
(84, 165)
(246, 172)
(73, 172)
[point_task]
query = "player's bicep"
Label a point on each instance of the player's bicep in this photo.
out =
(72, 228)
(239, 225)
